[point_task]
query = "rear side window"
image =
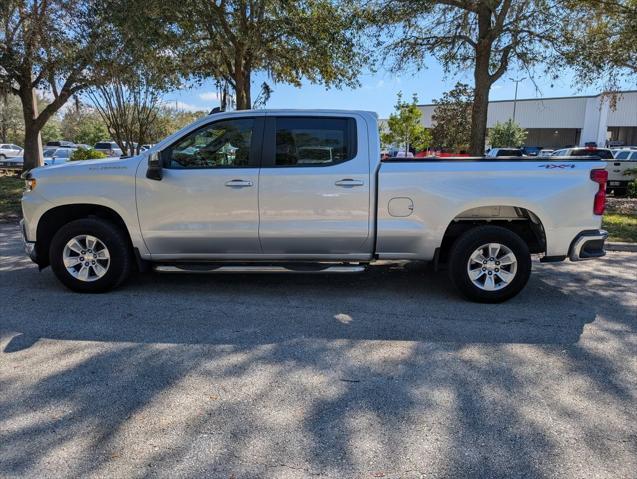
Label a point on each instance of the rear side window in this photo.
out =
(633, 157)
(302, 141)
(622, 155)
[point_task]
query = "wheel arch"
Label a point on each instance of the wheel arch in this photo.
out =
(53, 219)
(524, 222)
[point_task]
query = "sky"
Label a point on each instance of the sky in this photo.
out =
(378, 91)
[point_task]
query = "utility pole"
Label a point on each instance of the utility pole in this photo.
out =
(515, 99)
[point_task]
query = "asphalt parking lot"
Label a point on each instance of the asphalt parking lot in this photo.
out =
(385, 374)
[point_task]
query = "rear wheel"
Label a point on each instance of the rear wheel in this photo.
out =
(489, 264)
(90, 255)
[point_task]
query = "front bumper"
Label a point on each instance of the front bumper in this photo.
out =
(29, 246)
(588, 244)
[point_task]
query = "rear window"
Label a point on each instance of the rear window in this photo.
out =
(603, 154)
(104, 146)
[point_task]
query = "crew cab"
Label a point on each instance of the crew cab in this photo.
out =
(306, 191)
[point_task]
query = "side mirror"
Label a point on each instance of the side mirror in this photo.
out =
(154, 171)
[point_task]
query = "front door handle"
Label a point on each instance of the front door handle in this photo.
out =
(348, 182)
(238, 183)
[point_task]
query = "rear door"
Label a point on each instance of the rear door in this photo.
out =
(314, 187)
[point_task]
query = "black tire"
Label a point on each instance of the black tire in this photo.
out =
(121, 258)
(469, 242)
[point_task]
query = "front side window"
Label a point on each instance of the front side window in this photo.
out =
(223, 144)
(314, 141)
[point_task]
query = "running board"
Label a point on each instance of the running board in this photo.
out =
(314, 269)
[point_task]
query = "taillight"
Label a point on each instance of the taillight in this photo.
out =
(599, 204)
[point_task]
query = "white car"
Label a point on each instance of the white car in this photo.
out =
(9, 150)
(242, 201)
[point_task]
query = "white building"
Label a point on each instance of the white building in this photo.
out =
(558, 122)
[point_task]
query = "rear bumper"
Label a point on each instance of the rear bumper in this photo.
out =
(588, 244)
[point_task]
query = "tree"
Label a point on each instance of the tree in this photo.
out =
(82, 124)
(405, 128)
(129, 112)
(451, 119)
(230, 40)
(487, 37)
(600, 36)
(507, 134)
(58, 46)
(11, 123)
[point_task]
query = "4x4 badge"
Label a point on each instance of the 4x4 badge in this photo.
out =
(549, 166)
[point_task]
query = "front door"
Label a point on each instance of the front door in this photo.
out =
(206, 204)
(314, 188)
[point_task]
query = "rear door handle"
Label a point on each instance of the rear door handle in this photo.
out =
(348, 182)
(238, 183)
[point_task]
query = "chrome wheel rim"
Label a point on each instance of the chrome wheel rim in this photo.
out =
(86, 258)
(492, 267)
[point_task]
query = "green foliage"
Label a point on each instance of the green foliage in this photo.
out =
(11, 189)
(507, 134)
(83, 154)
(451, 119)
(51, 131)
(598, 42)
(82, 124)
(405, 128)
(310, 40)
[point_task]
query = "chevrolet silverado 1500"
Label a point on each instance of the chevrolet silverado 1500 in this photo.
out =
(305, 191)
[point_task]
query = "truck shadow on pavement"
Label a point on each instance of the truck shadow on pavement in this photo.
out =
(387, 374)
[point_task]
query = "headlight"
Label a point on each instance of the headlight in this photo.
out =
(30, 184)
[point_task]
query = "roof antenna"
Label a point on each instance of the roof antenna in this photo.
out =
(216, 109)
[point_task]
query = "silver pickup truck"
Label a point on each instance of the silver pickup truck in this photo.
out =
(305, 191)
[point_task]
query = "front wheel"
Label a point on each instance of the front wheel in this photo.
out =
(489, 264)
(90, 255)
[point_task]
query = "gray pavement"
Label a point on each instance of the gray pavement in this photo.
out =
(385, 374)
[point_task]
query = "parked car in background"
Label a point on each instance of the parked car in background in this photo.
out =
(531, 150)
(9, 150)
(60, 144)
(545, 152)
(601, 153)
(57, 156)
(11, 165)
(496, 152)
(109, 148)
(618, 180)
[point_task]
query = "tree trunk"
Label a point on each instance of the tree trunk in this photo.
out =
(32, 127)
(479, 111)
(482, 83)
(242, 89)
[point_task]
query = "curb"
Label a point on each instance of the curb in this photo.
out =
(617, 246)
